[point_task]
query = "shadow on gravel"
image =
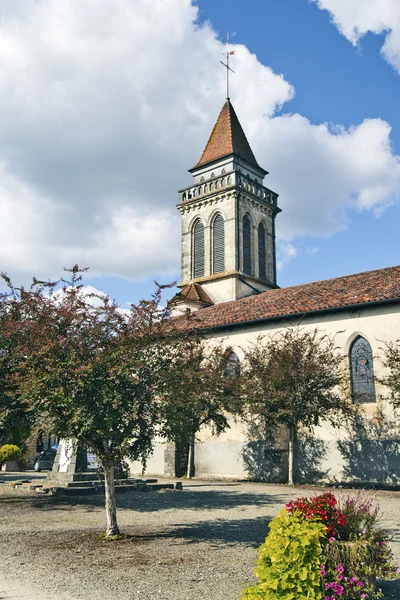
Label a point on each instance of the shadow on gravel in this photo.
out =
(390, 589)
(154, 501)
(251, 532)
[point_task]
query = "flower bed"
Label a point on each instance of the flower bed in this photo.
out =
(324, 548)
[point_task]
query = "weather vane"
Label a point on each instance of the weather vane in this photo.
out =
(227, 54)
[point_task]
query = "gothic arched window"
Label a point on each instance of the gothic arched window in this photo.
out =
(218, 232)
(262, 262)
(198, 249)
(362, 371)
(247, 245)
(232, 365)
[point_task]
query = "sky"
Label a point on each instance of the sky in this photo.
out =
(106, 105)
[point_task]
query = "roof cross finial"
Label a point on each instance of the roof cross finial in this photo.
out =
(227, 54)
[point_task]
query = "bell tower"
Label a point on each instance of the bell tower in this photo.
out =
(228, 221)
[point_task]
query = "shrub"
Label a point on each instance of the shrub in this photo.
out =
(324, 549)
(10, 452)
(289, 564)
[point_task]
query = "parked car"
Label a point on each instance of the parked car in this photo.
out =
(45, 460)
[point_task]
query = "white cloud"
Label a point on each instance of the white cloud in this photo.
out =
(104, 107)
(355, 18)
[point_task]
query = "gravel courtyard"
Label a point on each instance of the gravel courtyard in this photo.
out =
(196, 544)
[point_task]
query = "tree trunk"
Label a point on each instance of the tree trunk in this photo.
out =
(111, 507)
(291, 455)
(190, 458)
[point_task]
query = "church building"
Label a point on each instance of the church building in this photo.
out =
(229, 278)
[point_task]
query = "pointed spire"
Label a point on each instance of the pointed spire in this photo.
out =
(226, 138)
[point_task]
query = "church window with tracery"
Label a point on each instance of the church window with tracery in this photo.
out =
(262, 262)
(362, 372)
(232, 365)
(198, 249)
(218, 245)
(247, 262)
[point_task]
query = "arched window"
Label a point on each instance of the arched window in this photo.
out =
(362, 371)
(232, 365)
(198, 249)
(218, 245)
(246, 245)
(262, 262)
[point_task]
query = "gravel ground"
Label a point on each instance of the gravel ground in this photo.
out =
(196, 544)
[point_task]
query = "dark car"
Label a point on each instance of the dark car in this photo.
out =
(45, 459)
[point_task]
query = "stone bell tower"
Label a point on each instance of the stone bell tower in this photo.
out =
(228, 221)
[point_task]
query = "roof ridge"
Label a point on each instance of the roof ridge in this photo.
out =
(367, 287)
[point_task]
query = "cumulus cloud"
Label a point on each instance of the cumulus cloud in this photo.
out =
(104, 107)
(355, 18)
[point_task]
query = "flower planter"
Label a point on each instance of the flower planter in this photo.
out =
(11, 465)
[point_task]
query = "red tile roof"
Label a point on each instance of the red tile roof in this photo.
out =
(226, 138)
(331, 294)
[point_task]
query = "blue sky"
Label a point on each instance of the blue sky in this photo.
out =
(105, 110)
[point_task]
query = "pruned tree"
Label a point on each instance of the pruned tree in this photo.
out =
(93, 371)
(196, 392)
(293, 379)
(391, 360)
(15, 414)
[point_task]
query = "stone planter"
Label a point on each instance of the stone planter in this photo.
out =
(11, 465)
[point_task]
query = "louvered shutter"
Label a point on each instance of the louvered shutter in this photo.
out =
(198, 250)
(218, 245)
(247, 245)
(261, 252)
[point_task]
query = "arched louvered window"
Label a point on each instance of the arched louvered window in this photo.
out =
(246, 245)
(218, 245)
(362, 371)
(198, 249)
(262, 262)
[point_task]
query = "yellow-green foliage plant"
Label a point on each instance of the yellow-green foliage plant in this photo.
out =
(288, 567)
(10, 452)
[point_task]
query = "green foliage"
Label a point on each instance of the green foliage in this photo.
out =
(289, 564)
(10, 452)
(194, 391)
(293, 379)
(391, 361)
(15, 414)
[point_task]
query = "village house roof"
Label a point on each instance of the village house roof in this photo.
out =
(227, 138)
(351, 291)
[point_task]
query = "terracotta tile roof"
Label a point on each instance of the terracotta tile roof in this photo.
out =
(369, 287)
(192, 293)
(226, 138)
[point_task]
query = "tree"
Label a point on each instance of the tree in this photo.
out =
(292, 379)
(196, 392)
(95, 372)
(391, 360)
(15, 414)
